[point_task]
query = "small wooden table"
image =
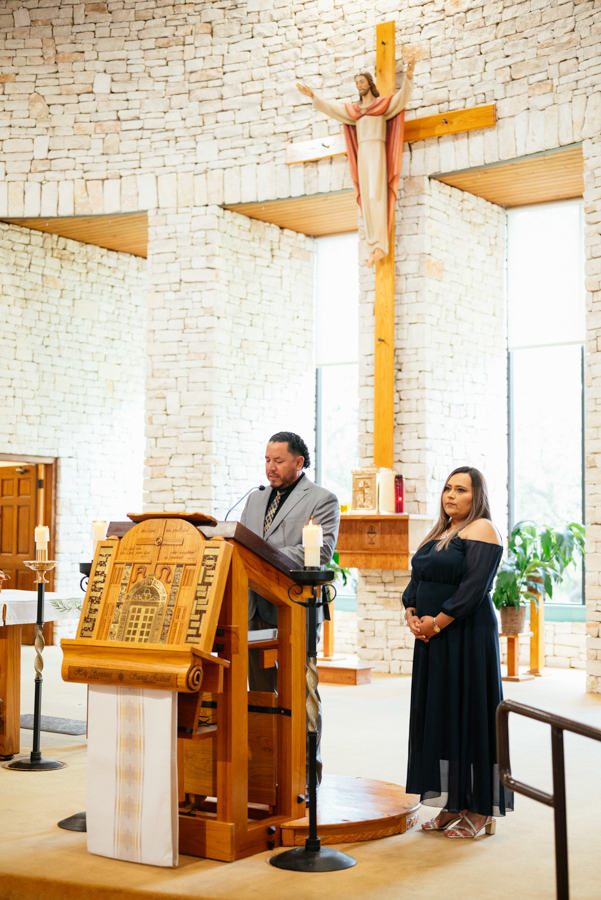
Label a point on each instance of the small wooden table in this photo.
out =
(513, 656)
(18, 608)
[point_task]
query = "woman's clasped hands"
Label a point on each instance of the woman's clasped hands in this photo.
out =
(422, 628)
(425, 627)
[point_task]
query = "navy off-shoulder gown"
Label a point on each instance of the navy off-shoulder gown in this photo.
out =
(456, 685)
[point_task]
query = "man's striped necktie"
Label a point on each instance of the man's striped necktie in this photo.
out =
(271, 511)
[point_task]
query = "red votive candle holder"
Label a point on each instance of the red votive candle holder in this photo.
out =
(399, 494)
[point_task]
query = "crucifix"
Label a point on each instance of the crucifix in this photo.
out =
(389, 106)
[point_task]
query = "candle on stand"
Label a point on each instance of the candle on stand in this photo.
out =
(312, 542)
(99, 530)
(42, 536)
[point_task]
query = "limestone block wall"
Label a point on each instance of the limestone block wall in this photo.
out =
(230, 353)
(383, 639)
(451, 359)
(99, 98)
(565, 646)
(72, 345)
(345, 633)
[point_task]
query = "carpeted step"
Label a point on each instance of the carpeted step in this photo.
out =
(52, 723)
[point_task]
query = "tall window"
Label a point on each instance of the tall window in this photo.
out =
(546, 328)
(337, 354)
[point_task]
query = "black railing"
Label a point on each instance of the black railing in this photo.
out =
(558, 798)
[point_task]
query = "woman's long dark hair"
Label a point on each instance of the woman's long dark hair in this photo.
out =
(480, 508)
(371, 83)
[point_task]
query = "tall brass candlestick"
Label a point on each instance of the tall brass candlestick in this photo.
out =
(40, 565)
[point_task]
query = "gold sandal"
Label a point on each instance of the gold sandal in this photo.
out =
(432, 825)
(468, 830)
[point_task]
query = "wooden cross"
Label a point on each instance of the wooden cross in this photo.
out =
(384, 306)
(415, 130)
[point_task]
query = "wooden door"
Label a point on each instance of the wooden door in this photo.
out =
(24, 487)
(17, 522)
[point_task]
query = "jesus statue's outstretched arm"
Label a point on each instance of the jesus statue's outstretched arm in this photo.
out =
(336, 111)
(400, 100)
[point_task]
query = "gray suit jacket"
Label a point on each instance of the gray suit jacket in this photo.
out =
(286, 531)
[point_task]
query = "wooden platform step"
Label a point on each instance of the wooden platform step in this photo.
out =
(343, 670)
(353, 809)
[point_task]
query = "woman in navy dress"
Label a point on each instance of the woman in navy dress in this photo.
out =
(456, 684)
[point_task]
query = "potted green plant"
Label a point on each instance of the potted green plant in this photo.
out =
(537, 559)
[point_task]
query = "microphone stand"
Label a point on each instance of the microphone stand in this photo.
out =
(259, 487)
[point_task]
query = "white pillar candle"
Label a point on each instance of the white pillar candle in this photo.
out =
(99, 530)
(386, 496)
(312, 542)
(42, 536)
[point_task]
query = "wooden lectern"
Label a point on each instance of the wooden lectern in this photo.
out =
(167, 608)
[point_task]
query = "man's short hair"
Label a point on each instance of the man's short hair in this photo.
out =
(296, 445)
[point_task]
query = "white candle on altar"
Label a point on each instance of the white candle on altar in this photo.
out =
(312, 542)
(99, 530)
(42, 536)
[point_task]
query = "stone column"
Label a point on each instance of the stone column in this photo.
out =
(451, 348)
(230, 351)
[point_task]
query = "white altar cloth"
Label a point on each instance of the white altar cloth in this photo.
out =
(21, 607)
(132, 805)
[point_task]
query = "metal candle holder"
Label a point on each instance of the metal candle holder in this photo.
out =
(36, 763)
(312, 857)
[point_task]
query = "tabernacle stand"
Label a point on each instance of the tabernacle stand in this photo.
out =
(312, 857)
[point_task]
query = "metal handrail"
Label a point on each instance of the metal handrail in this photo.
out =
(557, 799)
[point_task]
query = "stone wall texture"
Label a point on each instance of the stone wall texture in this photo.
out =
(72, 345)
(117, 106)
(565, 646)
(105, 102)
(230, 351)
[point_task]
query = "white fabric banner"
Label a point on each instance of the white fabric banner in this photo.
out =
(21, 607)
(132, 805)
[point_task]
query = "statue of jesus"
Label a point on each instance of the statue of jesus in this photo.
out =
(373, 131)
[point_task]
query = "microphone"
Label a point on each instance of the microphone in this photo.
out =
(259, 487)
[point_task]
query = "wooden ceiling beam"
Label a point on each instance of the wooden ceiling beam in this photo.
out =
(123, 232)
(538, 178)
(317, 215)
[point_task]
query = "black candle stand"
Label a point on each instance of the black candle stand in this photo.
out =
(312, 857)
(36, 763)
(85, 569)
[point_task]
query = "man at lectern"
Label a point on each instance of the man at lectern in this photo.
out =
(279, 517)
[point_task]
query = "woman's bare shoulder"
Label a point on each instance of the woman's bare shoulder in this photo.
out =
(481, 530)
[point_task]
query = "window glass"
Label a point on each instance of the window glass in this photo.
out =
(337, 355)
(339, 426)
(546, 331)
(545, 274)
(547, 443)
(337, 299)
